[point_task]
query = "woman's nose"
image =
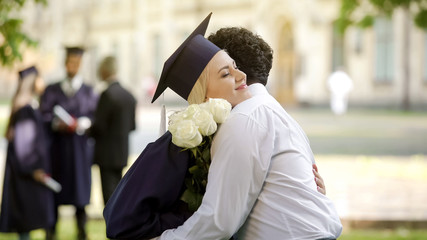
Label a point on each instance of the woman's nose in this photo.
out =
(240, 76)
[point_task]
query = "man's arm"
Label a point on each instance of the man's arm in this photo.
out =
(241, 155)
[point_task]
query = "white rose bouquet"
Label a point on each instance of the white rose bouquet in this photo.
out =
(193, 128)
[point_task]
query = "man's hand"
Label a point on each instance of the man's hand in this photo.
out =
(319, 180)
(61, 126)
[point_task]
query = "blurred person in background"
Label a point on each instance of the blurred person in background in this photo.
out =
(68, 107)
(27, 204)
(114, 120)
(340, 86)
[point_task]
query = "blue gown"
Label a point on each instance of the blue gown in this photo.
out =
(71, 154)
(26, 204)
(147, 200)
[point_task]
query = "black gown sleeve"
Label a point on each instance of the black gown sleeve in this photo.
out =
(146, 201)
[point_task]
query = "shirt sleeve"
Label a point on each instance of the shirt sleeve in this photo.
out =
(241, 155)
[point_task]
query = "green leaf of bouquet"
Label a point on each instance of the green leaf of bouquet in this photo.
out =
(193, 169)
(194, 151)
(192, 199)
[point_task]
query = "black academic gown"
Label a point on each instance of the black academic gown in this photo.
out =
(71, 154)
(26, 204)
(146, 201)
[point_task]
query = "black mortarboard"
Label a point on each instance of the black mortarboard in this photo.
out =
(25, 72)
(184, 66)
(75, 50)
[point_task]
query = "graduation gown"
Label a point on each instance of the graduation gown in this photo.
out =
(146, 201)
(71, 154)
(26, 204)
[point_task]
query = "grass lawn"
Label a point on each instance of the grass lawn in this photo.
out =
(394, 234)
(66, 230)
(96, 231)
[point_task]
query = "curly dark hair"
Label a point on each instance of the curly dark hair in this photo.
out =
(252, 54)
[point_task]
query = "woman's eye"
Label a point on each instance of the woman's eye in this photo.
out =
(225, 74)
(235, 65)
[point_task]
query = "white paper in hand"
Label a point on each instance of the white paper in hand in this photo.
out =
(52, 184)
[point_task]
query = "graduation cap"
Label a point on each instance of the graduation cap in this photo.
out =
(182, 69)
(27, 71)
(74, 50)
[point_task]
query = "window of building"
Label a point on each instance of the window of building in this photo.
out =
(425, 57)
(384, 55)
(337, 48)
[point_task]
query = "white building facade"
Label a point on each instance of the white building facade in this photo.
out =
(142, 34)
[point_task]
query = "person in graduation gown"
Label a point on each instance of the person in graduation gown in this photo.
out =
(68, 108)
(147, 200)
(27, 204)
(114, 120)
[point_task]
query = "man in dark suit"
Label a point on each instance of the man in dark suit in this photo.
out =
(114, 120)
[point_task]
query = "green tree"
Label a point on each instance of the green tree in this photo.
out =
(12, 38)
(362, 13)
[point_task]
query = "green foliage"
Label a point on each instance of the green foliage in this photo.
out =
(367, 21)
(362, 13)
(12, 38)
(420, 19)
(197, 177)
(347, 8)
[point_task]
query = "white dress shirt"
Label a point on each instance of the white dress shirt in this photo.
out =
(71, 86)
(260, 182)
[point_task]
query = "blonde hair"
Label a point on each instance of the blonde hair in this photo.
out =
(198, 93)
(23, 95)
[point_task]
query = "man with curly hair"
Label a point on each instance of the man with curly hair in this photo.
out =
(252, 54)
(254, 57)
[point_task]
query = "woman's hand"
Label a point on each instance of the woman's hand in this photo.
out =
(319, 180)
(39, 175)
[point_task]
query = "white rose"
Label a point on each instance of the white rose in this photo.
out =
(205, 121)
(220, 109)
(185, 133)
(176, 117)
(190, 111)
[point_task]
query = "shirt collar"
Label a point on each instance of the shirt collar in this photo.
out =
(70, 87)
(76, 82)
(257, 89)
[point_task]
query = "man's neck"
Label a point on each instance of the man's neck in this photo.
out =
(111, 79)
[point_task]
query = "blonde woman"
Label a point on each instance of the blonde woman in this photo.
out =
(26, 204)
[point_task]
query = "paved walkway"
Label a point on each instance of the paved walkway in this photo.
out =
(374, 163)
